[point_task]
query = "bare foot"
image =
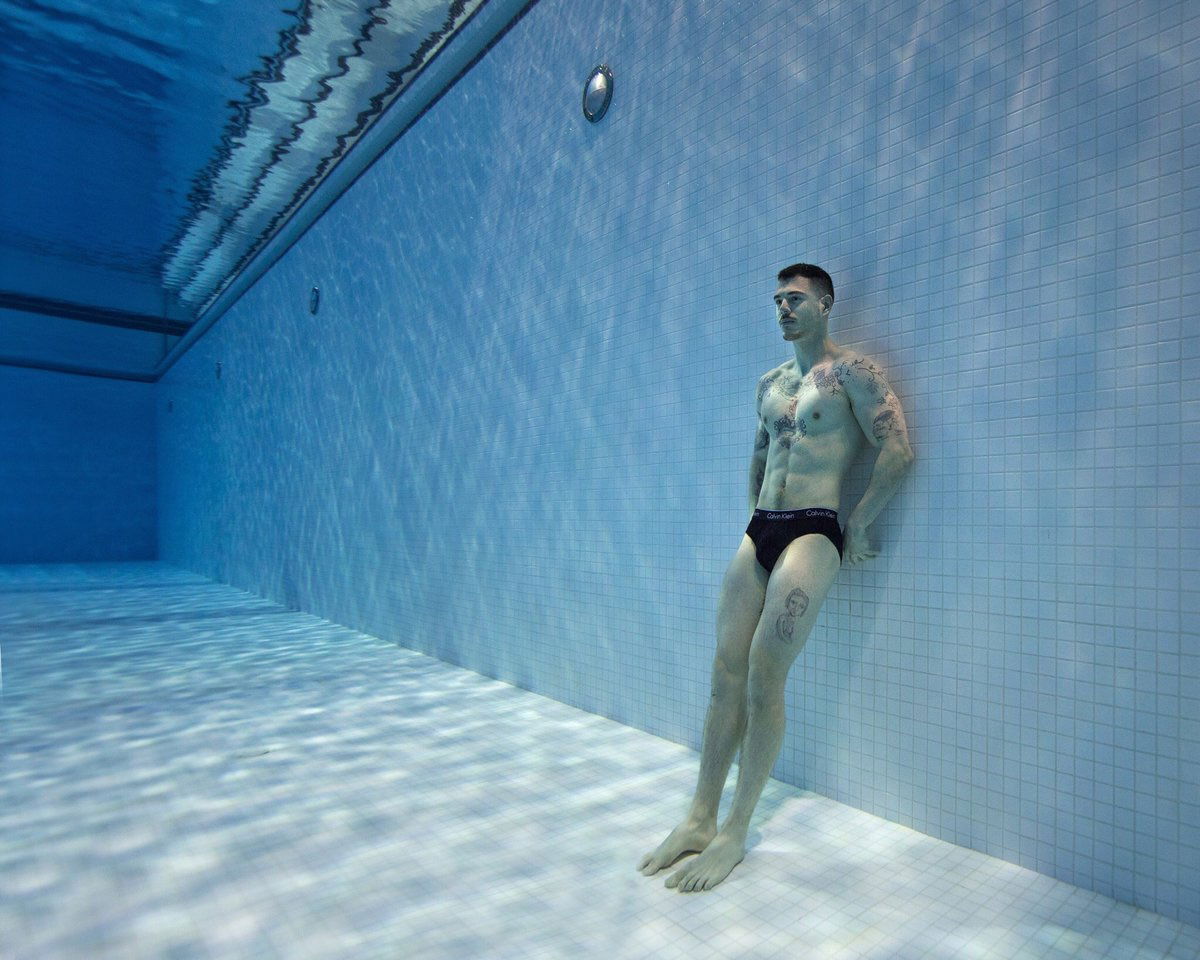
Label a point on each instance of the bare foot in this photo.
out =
(712, 866)
(688, 837)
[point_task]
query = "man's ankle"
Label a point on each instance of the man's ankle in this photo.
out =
(735, 830)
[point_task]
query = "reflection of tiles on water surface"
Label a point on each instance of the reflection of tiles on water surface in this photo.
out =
(273, 785)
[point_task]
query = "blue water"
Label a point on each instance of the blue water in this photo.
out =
(515, 435)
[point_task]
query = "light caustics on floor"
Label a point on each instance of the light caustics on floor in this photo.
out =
(190, 771)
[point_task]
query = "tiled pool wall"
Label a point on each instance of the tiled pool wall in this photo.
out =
(515, 435)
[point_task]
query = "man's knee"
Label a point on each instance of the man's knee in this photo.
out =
(729, 674)
(764, 690)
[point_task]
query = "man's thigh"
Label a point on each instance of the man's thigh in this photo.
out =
(742, 594)
(797, 588)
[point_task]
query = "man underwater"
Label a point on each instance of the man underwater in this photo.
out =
(814, 412)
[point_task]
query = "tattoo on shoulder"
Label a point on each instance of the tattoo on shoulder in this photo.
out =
(871, 377)
(764, 384)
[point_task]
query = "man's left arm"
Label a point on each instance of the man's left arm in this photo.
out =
(878, 413)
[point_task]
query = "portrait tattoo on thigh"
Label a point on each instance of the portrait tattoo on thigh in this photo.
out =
(796, 604)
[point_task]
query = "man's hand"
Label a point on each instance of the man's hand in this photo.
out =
(856, 545)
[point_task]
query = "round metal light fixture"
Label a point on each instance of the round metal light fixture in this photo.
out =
(597, 93)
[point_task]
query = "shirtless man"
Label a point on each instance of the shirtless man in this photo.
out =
(814, 412)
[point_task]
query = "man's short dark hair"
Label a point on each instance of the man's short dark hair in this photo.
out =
(820, 279)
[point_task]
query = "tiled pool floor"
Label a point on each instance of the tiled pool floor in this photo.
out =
(189, 771)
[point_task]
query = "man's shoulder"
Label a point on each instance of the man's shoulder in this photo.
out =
(852, 363)
(765, 381)
(776, 371)
(857, 370)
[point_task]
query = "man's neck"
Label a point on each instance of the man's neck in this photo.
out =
(810, 352)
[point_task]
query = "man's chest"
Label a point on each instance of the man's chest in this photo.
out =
(805, 406)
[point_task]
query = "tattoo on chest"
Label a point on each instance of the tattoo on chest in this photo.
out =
(787, 426)
(828, 379)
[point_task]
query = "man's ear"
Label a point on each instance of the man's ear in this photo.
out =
(827, 302)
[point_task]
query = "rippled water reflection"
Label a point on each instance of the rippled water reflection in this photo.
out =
(159, 146)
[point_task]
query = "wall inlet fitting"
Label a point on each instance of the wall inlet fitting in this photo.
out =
(314, 300)
(597, 93)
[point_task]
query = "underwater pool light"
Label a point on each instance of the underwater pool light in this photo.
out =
(597, 93)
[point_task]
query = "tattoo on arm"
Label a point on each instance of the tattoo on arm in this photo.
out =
(762, 439)
(885, 425)
(796, 604)
(878, 398)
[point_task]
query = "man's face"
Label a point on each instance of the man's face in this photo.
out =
(799, 310)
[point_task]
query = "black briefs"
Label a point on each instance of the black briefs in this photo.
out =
(773, 530)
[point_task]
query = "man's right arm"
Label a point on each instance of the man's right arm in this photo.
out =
(758, 464)
(762, 442)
